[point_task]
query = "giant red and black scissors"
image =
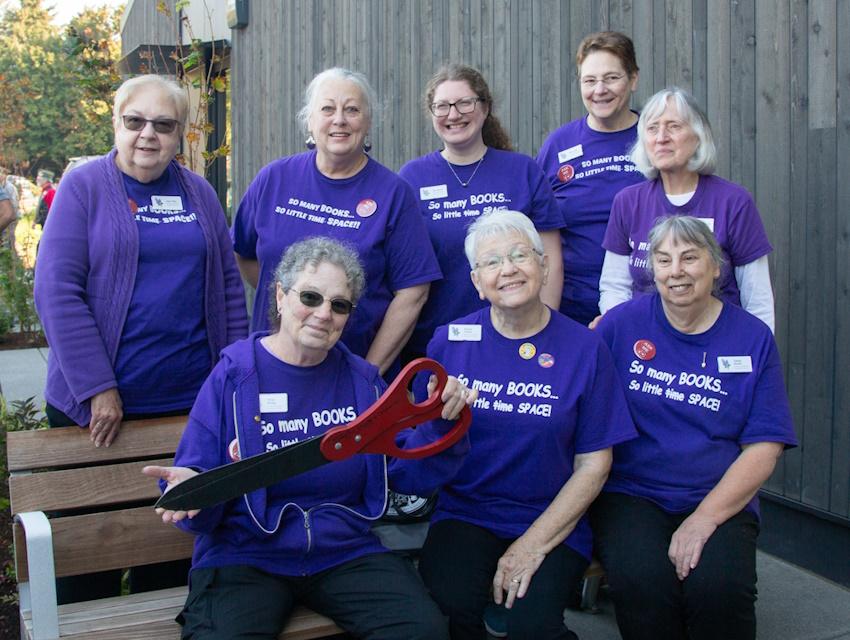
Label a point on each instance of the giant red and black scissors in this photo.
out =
(374, 431)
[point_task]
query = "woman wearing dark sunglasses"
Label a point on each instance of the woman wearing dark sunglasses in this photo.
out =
(136, 284)
(308, 538)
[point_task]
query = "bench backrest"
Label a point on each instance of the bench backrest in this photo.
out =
(97, 499)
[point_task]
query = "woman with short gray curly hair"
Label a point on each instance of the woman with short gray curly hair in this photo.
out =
(313, 252)
(308, 538)
(676, 151)
(335, 189)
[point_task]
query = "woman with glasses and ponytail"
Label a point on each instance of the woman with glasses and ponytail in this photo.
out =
(335, 189)
(135, 284)
(475, 172)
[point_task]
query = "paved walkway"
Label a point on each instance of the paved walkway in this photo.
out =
(793, 604)
(22, 374)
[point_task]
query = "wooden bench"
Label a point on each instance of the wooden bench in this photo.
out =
(80, 509)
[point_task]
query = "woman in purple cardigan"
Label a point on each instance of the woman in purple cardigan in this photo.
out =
(136, 284)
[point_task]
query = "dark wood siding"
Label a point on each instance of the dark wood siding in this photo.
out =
(143, 24)
(773, 75)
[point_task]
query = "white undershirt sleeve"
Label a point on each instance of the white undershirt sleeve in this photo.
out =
(756, 291)
(615, 281)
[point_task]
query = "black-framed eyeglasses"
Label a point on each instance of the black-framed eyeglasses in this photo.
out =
(464, 105)
(340, 306)
(160, 125)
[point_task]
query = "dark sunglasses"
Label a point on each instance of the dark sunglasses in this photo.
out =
(160, 125)
(339, 306)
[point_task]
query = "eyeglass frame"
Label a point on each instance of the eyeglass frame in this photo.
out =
(434, 105)
(321, 300)
(169, 122)
(502, 257)
(609, 80)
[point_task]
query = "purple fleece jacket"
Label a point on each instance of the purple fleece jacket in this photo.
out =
(86, 271)
(284, 536)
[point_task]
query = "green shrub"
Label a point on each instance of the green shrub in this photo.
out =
(20, 415)
(16, 292)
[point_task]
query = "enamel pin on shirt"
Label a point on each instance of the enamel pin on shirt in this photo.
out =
(374, 431)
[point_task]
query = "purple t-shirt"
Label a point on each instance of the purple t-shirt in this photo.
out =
(725, 207)
(291, 411)
(586, 169)
(164, 355)
(504, 180)
(695, 398)
(542, 400)
(374, 211)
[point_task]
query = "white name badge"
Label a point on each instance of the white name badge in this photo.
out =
(434, 191)
(734, 364)
(569, 154)
(464, 333)
(167, 203)
(709, 222)
(274, 402)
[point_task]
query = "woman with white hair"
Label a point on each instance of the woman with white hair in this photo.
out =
(549, 410)
(135, 282)
(675, 150)
(335, 189)
(677, 522)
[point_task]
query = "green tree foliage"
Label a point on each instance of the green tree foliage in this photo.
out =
(56, 85)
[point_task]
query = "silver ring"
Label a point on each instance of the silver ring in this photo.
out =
(515, 581)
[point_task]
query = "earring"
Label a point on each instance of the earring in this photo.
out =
(367, 145)
(310, 142)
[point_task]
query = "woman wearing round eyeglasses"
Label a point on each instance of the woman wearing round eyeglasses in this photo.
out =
(308, 538)
(335, 189)
(135, 282)
(586, 162)
(475, 172)
(549, 410)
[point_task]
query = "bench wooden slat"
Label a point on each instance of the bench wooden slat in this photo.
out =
(70, 446)
(151, 615)
(68, 473)
(86, 487)
(111, 540)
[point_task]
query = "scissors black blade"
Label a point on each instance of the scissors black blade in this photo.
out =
(232, 480)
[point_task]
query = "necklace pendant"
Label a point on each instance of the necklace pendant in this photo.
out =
(457, 177)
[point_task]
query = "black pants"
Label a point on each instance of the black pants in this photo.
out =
(378, 596)
(717, 599)
(458, 563)
(104, 584)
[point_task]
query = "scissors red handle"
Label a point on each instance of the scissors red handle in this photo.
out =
(374, 431)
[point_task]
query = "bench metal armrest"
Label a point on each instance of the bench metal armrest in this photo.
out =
(39, 594)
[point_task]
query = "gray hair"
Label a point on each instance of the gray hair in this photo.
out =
(313, 252)
(340, 73)
(174, 91)
(499, 222)
(704, 159)
(684, 230)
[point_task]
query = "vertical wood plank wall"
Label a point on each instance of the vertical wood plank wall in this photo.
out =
(773, 75)
(143, 24)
